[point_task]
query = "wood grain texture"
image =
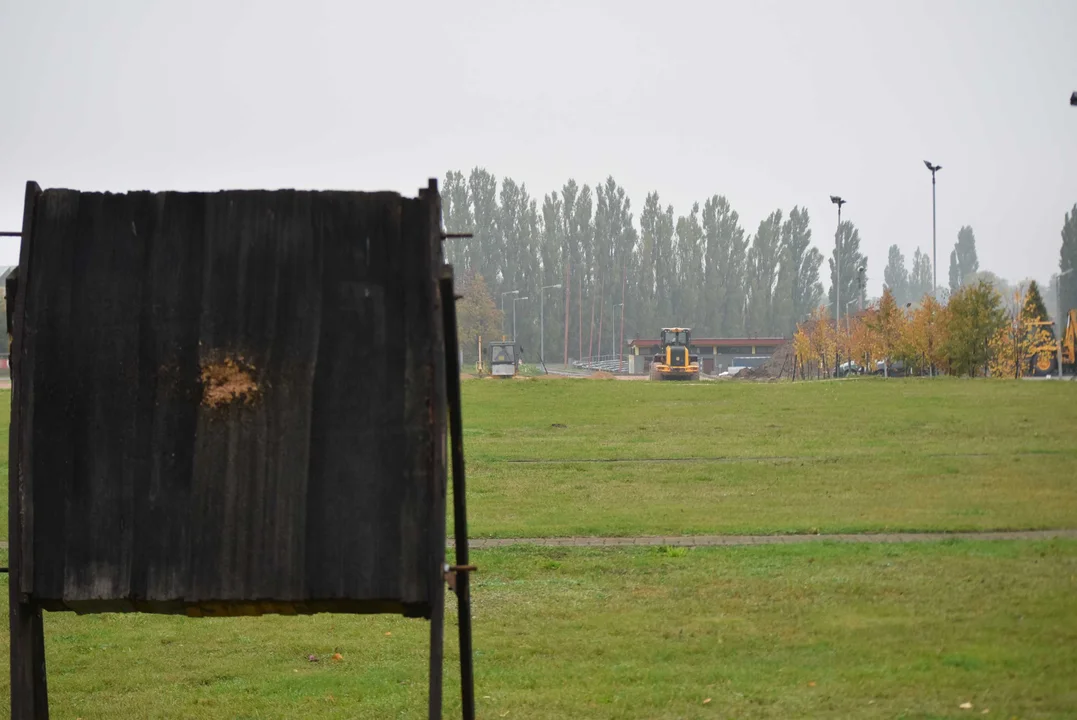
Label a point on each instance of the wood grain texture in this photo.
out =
(317, 485)
(29, 683)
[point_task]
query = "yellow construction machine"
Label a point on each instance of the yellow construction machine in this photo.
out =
(1047, 355)
(675, 361)
(1069, 345)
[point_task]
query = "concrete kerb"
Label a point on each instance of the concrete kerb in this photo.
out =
(734, 540)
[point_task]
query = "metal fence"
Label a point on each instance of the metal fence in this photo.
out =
(607, 363)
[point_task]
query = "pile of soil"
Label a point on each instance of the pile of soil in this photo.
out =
(779, 365)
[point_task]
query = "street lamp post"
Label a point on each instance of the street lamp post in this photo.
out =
(837, 200)
(507, 292)
(613, 336)
(934, 259)
(860, 274)
(514, 301)
(1058, 312)
(542, 321)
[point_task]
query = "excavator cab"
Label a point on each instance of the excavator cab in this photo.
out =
(503, 359)
(675, 361)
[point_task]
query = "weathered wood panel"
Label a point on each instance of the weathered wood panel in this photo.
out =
(233, 402)
(29, 682)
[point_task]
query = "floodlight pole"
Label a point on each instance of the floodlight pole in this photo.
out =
(507, 292)
(514, 301)
(542, 322)
(837, 200)
(934, 259)
(613, 338)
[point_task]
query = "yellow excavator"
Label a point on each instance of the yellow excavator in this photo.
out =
(675, 361)
(1046, 356)
(1069, 345)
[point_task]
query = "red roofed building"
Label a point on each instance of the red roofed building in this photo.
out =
(715, 354)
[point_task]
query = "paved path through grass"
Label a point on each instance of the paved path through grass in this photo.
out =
(719, 540)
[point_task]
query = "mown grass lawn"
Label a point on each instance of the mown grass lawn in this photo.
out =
(872, 631)
(732, 457)
(579, 457)
(824, 630)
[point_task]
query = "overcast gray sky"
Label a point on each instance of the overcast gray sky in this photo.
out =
(773, 104)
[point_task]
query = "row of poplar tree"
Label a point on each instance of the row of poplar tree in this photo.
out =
(702, 270)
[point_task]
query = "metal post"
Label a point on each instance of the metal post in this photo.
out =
(542, 321)
(613, 335)
(934, 237)
(839, 201)
(934, 258)
(459, 495)
(514, 301)
(507, 292)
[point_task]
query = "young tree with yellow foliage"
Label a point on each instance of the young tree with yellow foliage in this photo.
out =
(886, 323)
(975, 316)
(815, 341)
(926, 334)
(476, 315)
(1041, 333)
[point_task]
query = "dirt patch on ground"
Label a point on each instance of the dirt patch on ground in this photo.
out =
(227, 381)
(779, 366)
(602, 375)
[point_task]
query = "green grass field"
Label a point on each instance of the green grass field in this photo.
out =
(874, 631)
(768, 457)
(821, 630)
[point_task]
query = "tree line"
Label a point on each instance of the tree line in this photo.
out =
(702, 269)
(972, 334)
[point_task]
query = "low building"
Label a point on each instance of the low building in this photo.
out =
(715, 354)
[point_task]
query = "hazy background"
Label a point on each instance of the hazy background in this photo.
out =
(769, 103)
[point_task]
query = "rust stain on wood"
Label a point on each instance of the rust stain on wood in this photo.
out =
(228, 380)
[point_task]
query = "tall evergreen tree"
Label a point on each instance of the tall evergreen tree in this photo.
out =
(850, 259)
(920, 276)
(655, 265)
(799, 290)
(688, 292)
(1034, 307)
(485, 245)
(763, 255)
(726, 268)
(1036, 336)
(665, 273)
(1067, 284)
(896, 276)
(615, 240)
(457, 218)
(963, 261)
(581, 234)
(551, 301)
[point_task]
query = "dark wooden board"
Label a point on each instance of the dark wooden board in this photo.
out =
(319, 487)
